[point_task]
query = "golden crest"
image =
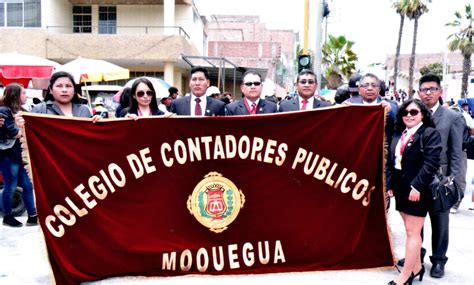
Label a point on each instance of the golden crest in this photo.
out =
(215, 202)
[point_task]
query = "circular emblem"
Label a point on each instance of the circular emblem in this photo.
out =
(215, 202)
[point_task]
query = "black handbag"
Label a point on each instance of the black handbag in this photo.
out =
(443, 190)
(468, 146)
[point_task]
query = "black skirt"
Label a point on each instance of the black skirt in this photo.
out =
(401, 190)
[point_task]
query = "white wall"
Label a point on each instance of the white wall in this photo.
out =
(56, 13)
(184, 17)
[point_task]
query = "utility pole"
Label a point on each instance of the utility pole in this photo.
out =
(306, 26)
(319, 36)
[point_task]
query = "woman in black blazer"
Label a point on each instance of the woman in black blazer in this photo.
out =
(413, 160)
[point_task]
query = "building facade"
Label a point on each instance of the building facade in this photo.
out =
(146, 36)
(248, 43)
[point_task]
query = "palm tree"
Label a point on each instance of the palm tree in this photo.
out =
(400, 7)
(415, 9)
(339, 59)
(462, 40)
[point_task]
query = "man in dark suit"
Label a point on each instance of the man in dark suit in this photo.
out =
(450, 126)
(197, 104)
(306, 85)
(369, 91)
(251, 104)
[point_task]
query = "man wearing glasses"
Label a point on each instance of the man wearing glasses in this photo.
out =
(369, 90)
(251, 104)
(450, 125)
(306, 85)
(197, 104)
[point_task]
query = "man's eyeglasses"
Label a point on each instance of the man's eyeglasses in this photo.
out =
(412, 112)
(367, 85)
(309, 81)
(256, 83)
(149, 93)
(431, 89)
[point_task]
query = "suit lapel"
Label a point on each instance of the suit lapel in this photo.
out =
(437, 115)
(261, 106)
(187, 107)
(208, 111)
(242, 108)
(413, 140)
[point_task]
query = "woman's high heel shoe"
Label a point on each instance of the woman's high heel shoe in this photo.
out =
(408, 282)
(420, 273)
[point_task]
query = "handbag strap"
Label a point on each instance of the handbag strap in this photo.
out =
(439, 173)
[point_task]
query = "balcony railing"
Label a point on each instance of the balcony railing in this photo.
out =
(119, 30)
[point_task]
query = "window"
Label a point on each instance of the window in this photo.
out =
(82, 19)
(20, 13)
(14, 14)
(107, 20)
(32, 13)
(2, 15)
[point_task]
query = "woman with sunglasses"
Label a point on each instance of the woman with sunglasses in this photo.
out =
(143, 100)
(413, 160)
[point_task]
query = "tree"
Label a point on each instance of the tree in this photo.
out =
(339, 59)
(400, 7)
(462, 40)
(435, 68)
(415, 9)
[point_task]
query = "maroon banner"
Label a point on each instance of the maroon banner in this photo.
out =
(214, 195)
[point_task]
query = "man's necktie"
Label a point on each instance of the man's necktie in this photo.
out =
(303, 107)
(253, 110)
(197, 109)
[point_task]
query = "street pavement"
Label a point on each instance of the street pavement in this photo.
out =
(23, 258)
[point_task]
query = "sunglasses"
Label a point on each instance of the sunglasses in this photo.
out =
(412, 113)
(149, 93)
(304, 81)
(256, 83)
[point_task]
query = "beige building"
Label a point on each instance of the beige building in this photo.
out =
(146, 36)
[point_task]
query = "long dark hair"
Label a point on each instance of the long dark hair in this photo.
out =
(11, 97)
(425, 112)
(56, 76)
(133, 100)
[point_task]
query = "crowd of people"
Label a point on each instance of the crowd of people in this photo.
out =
(423, 135)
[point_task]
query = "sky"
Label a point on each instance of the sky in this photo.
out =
(372, 24)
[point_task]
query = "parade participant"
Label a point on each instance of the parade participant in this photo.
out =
(143, 100)
(165, 104)
(124, 101)
(11, 162)
(412, 161)
(173, 93)
(197, 104)
(306, 85)
(450, 126)
(62, 99)
(99, 108)
(354, 81)
(251, 104)
(369, 91)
